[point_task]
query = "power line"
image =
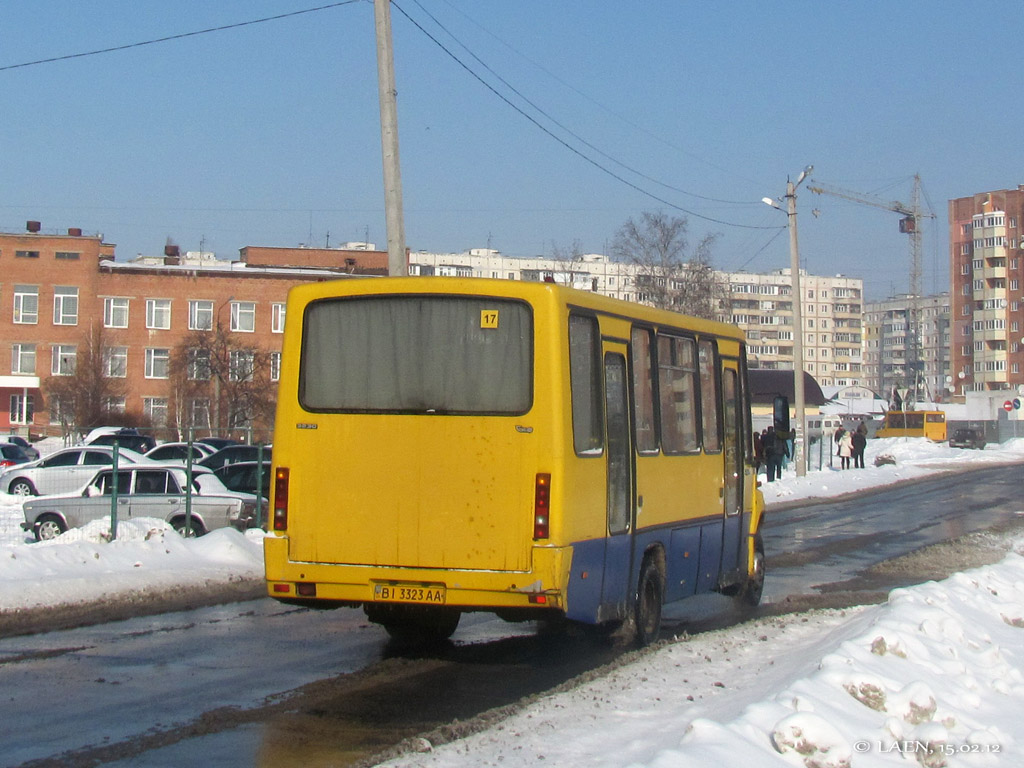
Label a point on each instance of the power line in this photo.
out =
(612, 112)
(175, 37)
(568, 130)
(562, 141)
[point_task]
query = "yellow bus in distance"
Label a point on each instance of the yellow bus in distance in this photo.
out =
(930, 424)
(445, 445)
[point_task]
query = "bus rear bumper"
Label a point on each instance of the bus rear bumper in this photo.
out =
(343, 584)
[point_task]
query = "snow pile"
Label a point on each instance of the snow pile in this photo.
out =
(148, 555)
(932, 678)
(937, 678)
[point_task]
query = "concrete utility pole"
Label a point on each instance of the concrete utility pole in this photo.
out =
(798, 330)
(397, 264)
(798, 428)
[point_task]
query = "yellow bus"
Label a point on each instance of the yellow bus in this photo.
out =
(930, 424)
(445, 445)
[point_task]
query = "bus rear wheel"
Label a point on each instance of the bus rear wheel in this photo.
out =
(413, 623)
(650, 594)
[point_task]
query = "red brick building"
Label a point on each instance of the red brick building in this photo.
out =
(56, 290)
(986, 239)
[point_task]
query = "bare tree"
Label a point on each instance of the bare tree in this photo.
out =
(221, 384)
(669, 276)
(85, 397)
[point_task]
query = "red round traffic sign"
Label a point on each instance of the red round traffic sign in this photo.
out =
(1008, 405)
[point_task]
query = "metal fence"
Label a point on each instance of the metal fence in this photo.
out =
(82, 483)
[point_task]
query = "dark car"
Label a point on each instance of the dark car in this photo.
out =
(241, 476)
(127, 438)
(12, 455)
(25, 445)
(967, 438)
(217, 442)
(236, 453)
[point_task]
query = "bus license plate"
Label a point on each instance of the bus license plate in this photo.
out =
(408, 593)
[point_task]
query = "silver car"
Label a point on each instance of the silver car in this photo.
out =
(63, 471)
(144, 490)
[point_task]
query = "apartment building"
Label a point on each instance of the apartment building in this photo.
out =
(57, 290)
(986, 268)
(761, 304)
(887, 346)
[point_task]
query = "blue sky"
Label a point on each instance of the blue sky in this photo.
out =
(268, 134)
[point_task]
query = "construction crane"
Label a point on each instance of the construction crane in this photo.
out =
(910, 224)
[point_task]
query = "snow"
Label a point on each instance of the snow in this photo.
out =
(933, 676)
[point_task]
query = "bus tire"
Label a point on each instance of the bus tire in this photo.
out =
(410, 624)
(750, 595)
(649, 596)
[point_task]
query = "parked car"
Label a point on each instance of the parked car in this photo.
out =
(241, 476)
(126, 438)
(11, 455)
(235, 453)
(62, 470)
(29, 449)
(217, 442)
(179, 452)
(967, 438)
(143, 490)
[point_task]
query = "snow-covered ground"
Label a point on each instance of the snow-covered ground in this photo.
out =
(934, 675)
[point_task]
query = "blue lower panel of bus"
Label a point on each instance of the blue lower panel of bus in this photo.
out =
(605, 572)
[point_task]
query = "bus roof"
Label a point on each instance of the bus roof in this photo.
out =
(571, 297)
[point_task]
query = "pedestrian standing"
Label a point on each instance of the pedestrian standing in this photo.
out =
(859, 443)
(846, 449)
(774, 449)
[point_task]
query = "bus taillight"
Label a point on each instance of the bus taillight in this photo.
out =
(542, 506)
(281, 499)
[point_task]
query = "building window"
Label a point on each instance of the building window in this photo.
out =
(60, 410)
(23, 409)
(68, 255)
(277, 318)
(26, 304)
(200, 412)
(198, 364)
(200, 315)
(65, 305)
(23, 359)
(115, 362)
(26, 254)
(113, 404)
(158, 314)
(275, 366)
(157, 361)
(241, 365)
(155, 409)
(115, 313)
(243, 316)
(64, 357)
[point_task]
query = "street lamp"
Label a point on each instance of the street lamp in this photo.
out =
(798, 325)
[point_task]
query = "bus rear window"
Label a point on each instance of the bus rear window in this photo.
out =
(417, 354)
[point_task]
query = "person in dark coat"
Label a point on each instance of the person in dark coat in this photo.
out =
(860, 442)
(774, 449)
(758, 452)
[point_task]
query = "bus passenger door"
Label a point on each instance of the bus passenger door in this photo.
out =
(733, 444)
(619, 482)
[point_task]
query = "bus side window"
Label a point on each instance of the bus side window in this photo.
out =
(710, 421)
(677, 394)
(585, 383)
(643, 391)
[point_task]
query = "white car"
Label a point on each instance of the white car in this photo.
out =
(64, 470)
(144, 490)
